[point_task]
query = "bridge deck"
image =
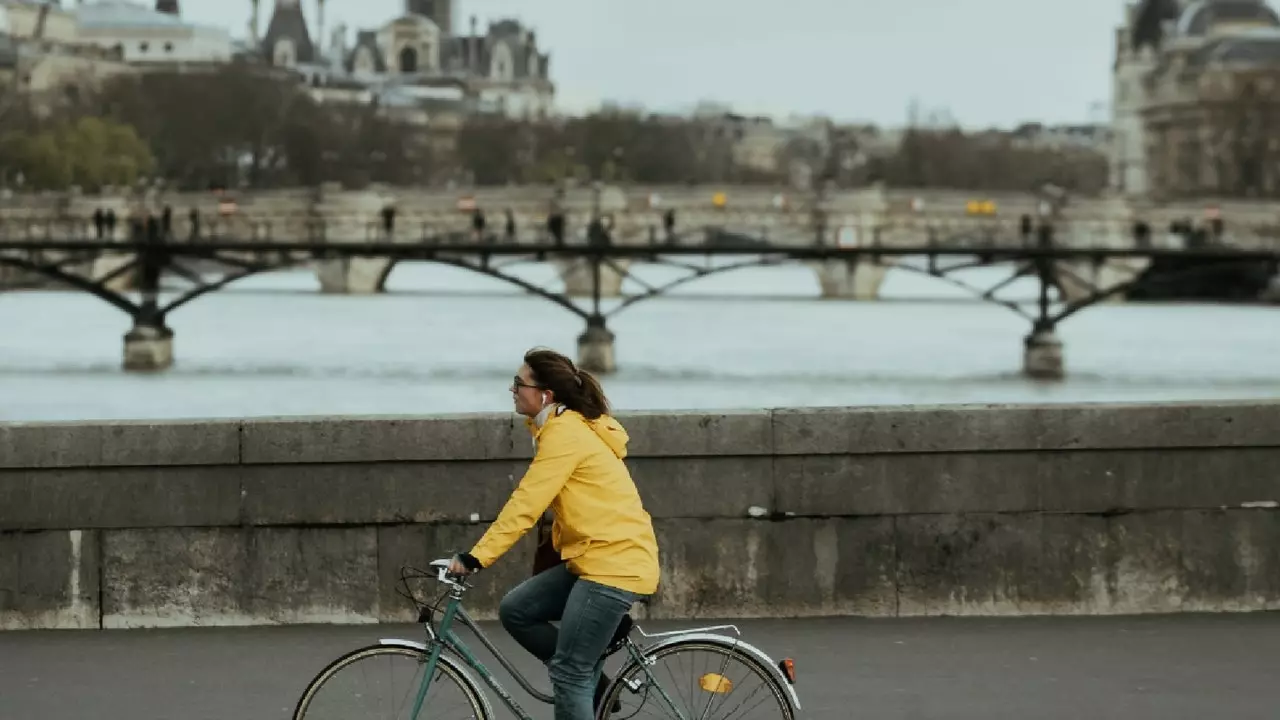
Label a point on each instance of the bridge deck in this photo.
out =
(1125, 668)
(428, 247)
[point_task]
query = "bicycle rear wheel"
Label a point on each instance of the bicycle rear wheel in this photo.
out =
(697, 679)
(381, 682)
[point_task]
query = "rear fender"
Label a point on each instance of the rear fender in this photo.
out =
(769, 665)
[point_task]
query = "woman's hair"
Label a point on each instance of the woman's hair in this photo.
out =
(577, 389)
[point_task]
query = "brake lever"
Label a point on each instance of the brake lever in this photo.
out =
(448, 578)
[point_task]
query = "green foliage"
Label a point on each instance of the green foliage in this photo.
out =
(89, 152)
(240, 123)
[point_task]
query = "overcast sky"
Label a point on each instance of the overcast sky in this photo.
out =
(987, 62)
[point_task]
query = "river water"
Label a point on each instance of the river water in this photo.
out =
(443, 340)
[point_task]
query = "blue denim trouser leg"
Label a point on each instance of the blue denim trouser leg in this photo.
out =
(530, 607)
(528, 610)
(589, 620)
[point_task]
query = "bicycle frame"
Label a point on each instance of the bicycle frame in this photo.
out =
(446, 638)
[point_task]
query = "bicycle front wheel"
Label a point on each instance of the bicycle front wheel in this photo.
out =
(381, 682)
(700, 680)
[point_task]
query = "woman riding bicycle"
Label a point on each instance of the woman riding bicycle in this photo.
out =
(601, 530)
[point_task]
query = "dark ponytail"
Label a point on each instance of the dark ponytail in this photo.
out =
(577, 389)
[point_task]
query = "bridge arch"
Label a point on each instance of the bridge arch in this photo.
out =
(493, 270)
(96, 288)
(145, 313)
(697, 272)
(596, 344)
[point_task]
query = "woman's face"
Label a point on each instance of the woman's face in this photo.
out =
(527, 395)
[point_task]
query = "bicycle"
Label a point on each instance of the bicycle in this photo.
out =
(444, 663)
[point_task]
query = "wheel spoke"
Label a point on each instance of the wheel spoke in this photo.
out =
(737, 686)
(381, 683)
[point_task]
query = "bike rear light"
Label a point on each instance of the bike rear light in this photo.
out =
(788, 668)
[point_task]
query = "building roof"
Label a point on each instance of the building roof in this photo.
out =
(366, 40)
(440, 12)
(1249, 50)
(288, 22)
(412, 19)
(1200, 17)
(1148, 25)
(506, 26)
(121, 14)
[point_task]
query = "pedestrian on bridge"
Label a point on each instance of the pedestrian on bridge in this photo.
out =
(555, 226)
(600, 530)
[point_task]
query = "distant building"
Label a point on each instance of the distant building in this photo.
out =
(756, 142)
(1037, 136)
(415, 60)
(37, 19)
(41, 53)
(146, 35)
(1170, 57)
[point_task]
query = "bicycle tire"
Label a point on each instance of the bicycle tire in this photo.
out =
(445, 665)
(614, 693)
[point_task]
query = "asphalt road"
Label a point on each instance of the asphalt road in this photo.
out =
(1222, 666)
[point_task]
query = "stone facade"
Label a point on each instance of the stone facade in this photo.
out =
(34, 19)
(417, 59)
(1174, 61)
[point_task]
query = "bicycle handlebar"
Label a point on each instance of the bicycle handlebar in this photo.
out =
(445, 577)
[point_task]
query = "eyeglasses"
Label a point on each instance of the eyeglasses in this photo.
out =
(517, 383)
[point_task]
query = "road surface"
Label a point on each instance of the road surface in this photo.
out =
(1190, 666)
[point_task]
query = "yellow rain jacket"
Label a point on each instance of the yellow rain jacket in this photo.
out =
(601, 528)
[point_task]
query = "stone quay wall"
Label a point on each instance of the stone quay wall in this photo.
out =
(952, 510)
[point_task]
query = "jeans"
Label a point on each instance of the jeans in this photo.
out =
(588, 612)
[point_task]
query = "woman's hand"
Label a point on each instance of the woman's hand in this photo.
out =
(463, 564)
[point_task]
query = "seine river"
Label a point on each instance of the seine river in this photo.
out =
(444, 340)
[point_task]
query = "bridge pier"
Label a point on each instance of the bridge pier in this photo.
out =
(353, 275)
(148, 348)
(1042, 356)
(579, 277)
(595, 348)
(850, 279)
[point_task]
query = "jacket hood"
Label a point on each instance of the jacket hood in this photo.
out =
(612, 433)
(606, 427)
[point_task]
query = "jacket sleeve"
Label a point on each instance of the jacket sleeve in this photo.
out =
(555, 461)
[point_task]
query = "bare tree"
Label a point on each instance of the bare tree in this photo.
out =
(243, 123)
